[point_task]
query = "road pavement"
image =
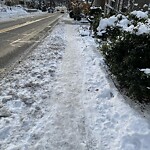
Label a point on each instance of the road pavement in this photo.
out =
(19, 35)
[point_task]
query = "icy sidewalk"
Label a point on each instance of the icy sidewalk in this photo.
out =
(59, 98)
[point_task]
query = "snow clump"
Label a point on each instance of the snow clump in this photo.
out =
(126, 23)
(140, 14)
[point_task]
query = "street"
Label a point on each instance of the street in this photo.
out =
(18, 35)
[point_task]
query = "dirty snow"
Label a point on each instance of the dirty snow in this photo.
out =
(60, 98)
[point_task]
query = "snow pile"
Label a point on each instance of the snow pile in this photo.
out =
(7, 13)
(111, 120)
(12, 11)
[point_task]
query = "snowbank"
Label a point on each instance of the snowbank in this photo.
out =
(13, 12)
(112, 121)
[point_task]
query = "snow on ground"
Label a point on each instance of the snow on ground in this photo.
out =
(60, 98)
(8, 13)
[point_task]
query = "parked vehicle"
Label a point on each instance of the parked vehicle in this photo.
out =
(51, 10)
(62, 11)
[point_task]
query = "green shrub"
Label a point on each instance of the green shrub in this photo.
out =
(125, 57)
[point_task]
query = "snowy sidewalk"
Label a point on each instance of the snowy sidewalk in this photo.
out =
(60, 98)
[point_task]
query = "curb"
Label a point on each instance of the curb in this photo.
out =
(15, 57)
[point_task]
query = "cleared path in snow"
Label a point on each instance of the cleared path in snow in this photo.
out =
(68, 129)
(69, 117)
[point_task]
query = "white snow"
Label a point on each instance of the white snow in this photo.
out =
(145, 5)
(130, 28)
(8, 13)
(125, 24)
(60, 98)
(140, 14)
(142, 28)
(104, 23)
(94, 7)
(107, 22)
(146, 71)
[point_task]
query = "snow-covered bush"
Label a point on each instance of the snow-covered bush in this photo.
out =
(127, 51)
(137, 22)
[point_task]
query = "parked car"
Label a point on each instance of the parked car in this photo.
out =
(62, 11)
(51, 10)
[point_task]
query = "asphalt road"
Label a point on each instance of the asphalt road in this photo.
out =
(19, 35)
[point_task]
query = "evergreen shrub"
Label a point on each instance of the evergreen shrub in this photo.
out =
(125, 58)
(126, 54)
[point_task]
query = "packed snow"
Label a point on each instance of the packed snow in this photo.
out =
(60, 98)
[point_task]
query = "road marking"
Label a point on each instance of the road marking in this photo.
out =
(15, 41)
(22, 25)
(19, 41)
